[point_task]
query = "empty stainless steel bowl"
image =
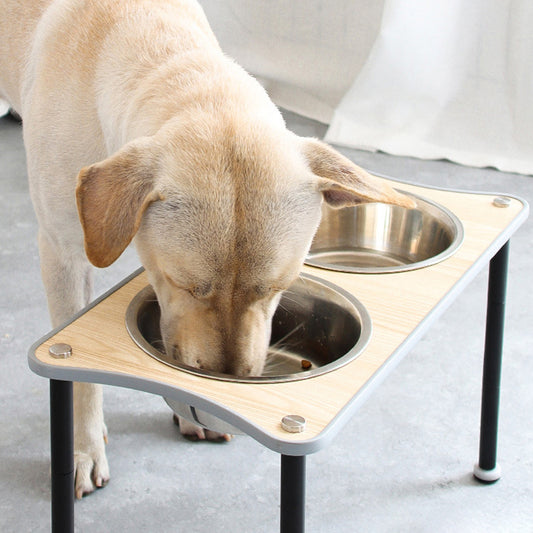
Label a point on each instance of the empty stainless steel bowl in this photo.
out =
(380, 238)
(316, 328)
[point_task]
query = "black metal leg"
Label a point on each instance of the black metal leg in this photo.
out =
(487, 470)
(292, 517)
(62, 456)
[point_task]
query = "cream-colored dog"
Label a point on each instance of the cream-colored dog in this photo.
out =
(136, 125)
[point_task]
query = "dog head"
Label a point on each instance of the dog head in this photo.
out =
(222, 221)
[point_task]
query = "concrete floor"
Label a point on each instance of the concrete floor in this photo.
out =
(403, 463)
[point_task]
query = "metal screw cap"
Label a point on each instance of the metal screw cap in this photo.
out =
(293, 423)
(60, 351)
(501, 201)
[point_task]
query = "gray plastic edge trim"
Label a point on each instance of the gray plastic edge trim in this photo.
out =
(296, 448)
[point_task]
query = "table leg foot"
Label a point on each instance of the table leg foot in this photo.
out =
(487, 476)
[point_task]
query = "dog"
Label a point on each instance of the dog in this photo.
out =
(138, 128)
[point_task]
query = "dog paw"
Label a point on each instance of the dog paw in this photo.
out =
(194, 432)
(91, 471)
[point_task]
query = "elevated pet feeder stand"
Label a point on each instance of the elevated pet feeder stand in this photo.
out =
(402, 306)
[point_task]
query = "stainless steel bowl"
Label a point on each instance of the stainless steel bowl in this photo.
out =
(316, 323)
(381, 238)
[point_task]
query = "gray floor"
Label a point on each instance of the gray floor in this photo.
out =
(403, 463)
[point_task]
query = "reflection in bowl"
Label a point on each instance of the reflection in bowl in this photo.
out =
(316, 328)
(381, 238)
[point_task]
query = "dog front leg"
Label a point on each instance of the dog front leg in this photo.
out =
(67, 280)
(90, 437)
(195, 432)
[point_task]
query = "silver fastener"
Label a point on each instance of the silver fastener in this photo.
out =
(60, 351)
(293, 423)
(501, 201)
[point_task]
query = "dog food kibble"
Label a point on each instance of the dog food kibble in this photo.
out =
(306, 365)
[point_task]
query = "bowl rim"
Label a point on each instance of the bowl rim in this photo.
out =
(457, 241)
(356, 350)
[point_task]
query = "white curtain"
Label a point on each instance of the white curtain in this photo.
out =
(4, 107)
(426, 78)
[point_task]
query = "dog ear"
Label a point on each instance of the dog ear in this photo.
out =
(112, 196)
(343, 184)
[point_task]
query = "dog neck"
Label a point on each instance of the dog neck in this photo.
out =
(160, 78)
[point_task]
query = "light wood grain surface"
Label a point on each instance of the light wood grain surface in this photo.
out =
(397, 304)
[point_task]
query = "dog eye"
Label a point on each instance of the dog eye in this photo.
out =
(201, 291)
(261, 291)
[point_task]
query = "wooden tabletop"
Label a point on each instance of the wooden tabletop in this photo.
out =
(401, 307)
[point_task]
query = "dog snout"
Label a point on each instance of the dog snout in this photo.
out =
(236, 368)
(201, 363)
(230, 362)
(224, 342)
(247, 360)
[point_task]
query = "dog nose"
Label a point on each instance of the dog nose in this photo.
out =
(236, 368)
(215, 365)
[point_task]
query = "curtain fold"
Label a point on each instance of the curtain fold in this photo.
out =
(4, 107)
(453, 81)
